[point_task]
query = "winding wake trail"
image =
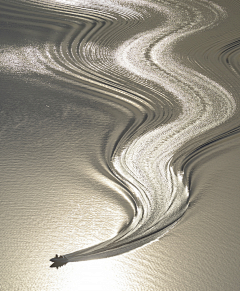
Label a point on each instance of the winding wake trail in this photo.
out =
(146, 162)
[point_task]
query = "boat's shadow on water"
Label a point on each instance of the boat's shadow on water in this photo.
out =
(57, 265)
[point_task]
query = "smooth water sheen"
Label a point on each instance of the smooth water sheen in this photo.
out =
(118, 120)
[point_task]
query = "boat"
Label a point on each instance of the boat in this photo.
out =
(59, 261)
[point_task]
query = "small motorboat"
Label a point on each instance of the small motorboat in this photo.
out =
(59, 261)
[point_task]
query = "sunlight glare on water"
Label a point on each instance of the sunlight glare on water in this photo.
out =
(92, 275)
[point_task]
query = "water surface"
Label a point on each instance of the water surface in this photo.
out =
(118, 119)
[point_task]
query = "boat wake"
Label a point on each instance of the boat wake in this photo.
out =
(144, 160)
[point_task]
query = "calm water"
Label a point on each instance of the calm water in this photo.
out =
(120, 144)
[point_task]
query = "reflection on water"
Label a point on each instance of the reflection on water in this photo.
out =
(109, 111)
